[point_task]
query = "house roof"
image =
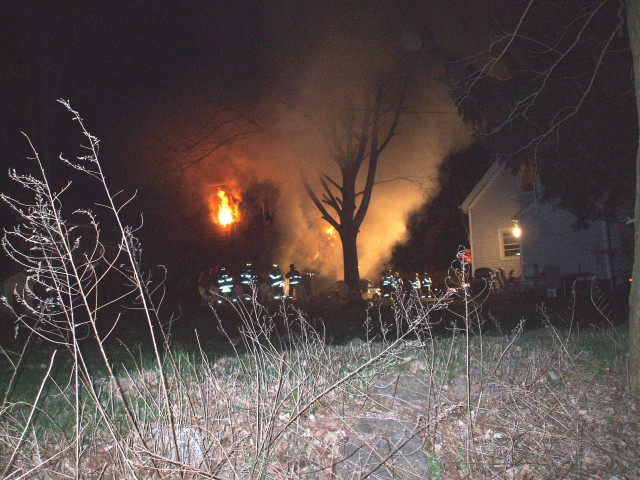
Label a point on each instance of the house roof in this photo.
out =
(495, 168)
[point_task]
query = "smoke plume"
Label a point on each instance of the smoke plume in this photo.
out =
(317, 62)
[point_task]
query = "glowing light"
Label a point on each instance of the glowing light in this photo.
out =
(331, 233)
(223, 208)
(516, 229)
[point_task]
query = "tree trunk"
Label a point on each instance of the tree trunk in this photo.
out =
(348, 237)
(633, 25)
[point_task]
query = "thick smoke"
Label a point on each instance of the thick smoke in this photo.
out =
(337, 68)
(319, 63)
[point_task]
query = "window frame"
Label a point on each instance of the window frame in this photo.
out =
(501, 235)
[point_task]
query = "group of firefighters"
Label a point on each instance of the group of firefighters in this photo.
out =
(392, 281)
(219, 284)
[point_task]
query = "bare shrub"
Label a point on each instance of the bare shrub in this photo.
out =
(400, 403)
(242, 417)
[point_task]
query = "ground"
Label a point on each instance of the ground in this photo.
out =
(378, 398)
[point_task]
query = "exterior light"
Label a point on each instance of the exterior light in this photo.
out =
(517, 231)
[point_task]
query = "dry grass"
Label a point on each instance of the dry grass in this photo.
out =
(288, 405)
(541, 406)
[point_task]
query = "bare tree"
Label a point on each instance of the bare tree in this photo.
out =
(357, 138)
(633, 24)
(537, 96)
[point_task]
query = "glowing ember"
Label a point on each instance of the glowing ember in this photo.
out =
(223, 208)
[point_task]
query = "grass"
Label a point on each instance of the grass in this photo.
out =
(282, 393)
(435, 469)
(606, 347)
(282, 384)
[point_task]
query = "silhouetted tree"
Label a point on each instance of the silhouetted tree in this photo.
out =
(358, 138)
(633, 21)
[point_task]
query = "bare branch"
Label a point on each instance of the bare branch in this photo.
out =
(318, 203)
(376, 149)
(329, 198)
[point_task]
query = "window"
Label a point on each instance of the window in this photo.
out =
(509, 244)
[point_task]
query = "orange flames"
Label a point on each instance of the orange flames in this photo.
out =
(223, 208)
(331, 233)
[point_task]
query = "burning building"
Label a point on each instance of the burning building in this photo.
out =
(224, 206)
(241, 222)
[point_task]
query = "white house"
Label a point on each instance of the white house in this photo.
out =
(545, 246)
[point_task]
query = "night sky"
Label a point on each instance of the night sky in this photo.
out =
(187, 96)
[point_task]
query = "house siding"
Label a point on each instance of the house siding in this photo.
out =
(549, 242)
(492, 211)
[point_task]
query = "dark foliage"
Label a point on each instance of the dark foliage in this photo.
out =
(561, 99)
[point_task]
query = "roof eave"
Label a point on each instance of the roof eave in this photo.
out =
(495, 168)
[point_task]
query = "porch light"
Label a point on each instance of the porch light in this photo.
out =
(516, 229)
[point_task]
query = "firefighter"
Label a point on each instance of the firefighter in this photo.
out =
(387, 284)
(224, 284)
(248, 280)
(426, 286)
(294, 278)
(398, 283)
(416, 284)
(276, 279)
